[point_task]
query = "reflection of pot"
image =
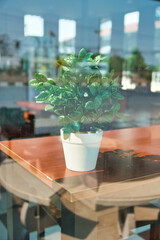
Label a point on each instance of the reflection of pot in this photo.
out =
(81, 150)
(90, 180)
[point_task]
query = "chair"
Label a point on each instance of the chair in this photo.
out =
(15, 123)
(32, 197)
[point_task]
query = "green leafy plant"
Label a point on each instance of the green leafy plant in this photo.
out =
(81, 94)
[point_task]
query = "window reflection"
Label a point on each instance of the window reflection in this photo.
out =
(32, 40)
(131, 21)
(155, 83)
(67, 34)
(105, 36)
(33, 26)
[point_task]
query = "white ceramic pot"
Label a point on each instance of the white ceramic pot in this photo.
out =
(81, 150)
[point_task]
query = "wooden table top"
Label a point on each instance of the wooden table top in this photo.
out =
(125, 155)
(32, 105)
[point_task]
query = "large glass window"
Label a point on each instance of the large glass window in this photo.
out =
(131, 23)
(33, 26)
(67, 34)
(40, 38)
(105, 36)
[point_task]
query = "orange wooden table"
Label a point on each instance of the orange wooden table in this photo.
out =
(127, 171)
(32, 105)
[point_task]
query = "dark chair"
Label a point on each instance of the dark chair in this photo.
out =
(16, 123)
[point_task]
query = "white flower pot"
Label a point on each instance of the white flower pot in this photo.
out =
(81, 150)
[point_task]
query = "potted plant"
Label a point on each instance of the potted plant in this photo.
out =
(83, 99)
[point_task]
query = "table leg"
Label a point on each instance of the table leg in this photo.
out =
(155, 231)
(15, 229)
(38, 222)
(81, 222)
(74, 225)
(10, 228)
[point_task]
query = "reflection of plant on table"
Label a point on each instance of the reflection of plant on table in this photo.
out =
(80, 94)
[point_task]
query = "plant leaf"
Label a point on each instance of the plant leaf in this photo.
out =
(64, 120)
(120, 115)
(97, 102)
(75, 126)
(88, 55)
(106, 94)
(82, 53)
(89, 105)
(40, 86)
(33, 83)
(95, 84)
(118, 96)
(70, 60)
(79, 110)
(66, 132)
(66, 136)
(97, 59)
(51, 81)
(40, 77)
(115, 80)
(108, 117)
(42, 96)
(48, 108)
(115, 107)
(83, 119)
(66, 69)
(93, 90)
(110, 75)
(47, 85)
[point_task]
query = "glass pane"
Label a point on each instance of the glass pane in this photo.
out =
(105, 35)
(67, 34)
(94, 65)
(33, 26)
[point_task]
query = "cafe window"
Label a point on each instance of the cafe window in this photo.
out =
(66, 37)
(105, 36)
(131, 24)
(39, 196)
(155, 83)
(33, 26)
(157, 32)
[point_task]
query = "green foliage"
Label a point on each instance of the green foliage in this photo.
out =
(80, 94)
(116, 63)
(135, 63)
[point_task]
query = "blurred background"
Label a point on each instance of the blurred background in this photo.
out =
(34, 34)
